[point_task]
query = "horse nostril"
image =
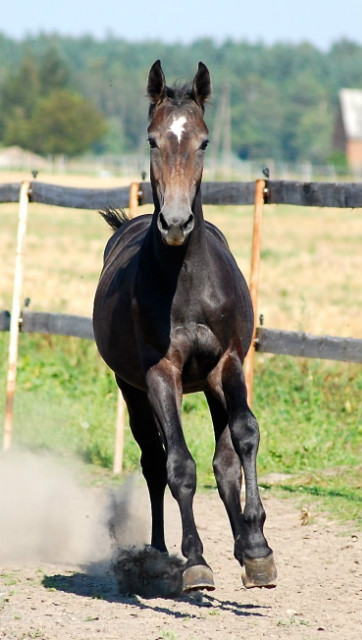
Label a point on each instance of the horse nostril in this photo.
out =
(187, 226)
(163, 222)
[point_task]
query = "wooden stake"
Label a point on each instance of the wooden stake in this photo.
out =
(119, 441)
(133, 198)
(254, 282)
(15, 315)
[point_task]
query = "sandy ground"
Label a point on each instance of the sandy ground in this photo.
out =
(56, 584)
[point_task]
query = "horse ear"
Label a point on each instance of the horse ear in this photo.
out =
(202, 84)
(156, 85)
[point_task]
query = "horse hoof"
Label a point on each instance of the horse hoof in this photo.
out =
(197, 577)
(259, 572)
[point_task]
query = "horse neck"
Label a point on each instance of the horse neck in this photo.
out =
(198, 235)
(193, 252)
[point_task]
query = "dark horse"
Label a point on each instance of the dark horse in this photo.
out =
(172, 315)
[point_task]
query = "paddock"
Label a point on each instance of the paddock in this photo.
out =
(53, 599)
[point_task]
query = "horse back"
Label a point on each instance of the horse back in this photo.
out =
(127, 238)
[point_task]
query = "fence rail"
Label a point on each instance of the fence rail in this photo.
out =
(306, 345)
(307, 194)
(291, 343)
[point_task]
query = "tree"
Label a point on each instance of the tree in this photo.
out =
(53, 72)
(21, 91)
(307, 121)
(314, 134)
(64, 123)
(18, 96)
(256, 120)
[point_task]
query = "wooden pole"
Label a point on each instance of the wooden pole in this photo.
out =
(15, 315)
(133, 198)
(119, 440)
(254, 282)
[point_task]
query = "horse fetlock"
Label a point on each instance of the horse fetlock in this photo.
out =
(254, 517)
(250, 546)
(192, 548)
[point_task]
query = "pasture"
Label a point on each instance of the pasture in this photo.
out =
(309, 411)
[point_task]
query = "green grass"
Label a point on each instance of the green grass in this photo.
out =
(309, 412)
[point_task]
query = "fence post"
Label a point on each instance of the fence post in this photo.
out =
(119, 439)
(254, 282)
(133, 198)
(15, 315)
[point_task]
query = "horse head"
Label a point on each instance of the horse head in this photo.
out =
(178, 137)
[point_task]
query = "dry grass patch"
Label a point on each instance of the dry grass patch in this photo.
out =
(311, 265)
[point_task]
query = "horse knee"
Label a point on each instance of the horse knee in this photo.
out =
(181, 474)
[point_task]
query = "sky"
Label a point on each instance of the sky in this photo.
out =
(320, 22)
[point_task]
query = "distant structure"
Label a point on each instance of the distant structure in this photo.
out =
(18, 158)
(348, 129)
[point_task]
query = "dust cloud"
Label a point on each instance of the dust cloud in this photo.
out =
(47, 515)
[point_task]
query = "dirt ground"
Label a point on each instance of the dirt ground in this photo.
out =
(56, 583)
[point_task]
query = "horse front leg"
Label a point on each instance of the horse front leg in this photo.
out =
(165, 394)
(226, 464)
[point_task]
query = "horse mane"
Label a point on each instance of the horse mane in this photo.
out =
(116, 218)
(177, 95)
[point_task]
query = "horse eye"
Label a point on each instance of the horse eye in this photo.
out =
(204, 145)
(152, 143)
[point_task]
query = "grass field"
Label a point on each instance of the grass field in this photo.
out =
(309, 412)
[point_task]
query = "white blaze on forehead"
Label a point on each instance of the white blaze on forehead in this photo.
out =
(177, 127)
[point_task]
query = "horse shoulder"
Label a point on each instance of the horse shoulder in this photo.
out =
(216, 233)
(222, 261)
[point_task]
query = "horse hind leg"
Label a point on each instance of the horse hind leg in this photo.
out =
(236, 448)
(252, 549)
(153, 457)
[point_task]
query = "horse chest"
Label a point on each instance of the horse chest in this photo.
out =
(199, 352)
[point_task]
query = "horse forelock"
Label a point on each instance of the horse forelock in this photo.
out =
(177, 96)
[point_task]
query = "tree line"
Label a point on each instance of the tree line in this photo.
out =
(61, 95)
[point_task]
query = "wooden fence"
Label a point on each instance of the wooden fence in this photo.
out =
(342, 195)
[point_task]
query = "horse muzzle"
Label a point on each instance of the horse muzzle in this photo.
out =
(175, 229)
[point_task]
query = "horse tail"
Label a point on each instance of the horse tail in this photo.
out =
(114, 217)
